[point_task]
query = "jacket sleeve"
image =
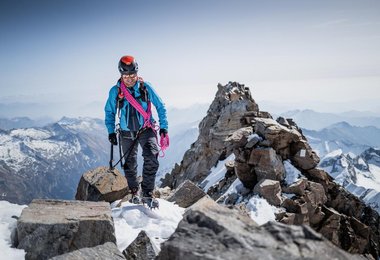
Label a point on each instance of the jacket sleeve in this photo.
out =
(160, 106)
(110, 110)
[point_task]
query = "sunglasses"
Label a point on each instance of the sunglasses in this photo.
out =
(129, 76)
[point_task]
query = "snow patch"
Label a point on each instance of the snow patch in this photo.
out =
(217, 173)
(159, 224)
(261, 211)
(291, 172)
(7, 226)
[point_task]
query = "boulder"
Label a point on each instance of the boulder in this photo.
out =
(345, 232)
(282, 121)
(246, 174)
(101, 184)
(47, 228)
(212, 231)
(302, 156)
(297, 188)
(239, 138)
(140, 249)
(269, 190)
(315, 194)
(186, 194)
(107, 251)
(267, 164)
(276, 136)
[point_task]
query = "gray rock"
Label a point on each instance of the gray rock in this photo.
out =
(47, 228)
(101, 184)
(276, 136)
(246, 174)
(239, 138)
(225, 116)
(302, 156)
(107, 251)
(187, 194)
(269, 190)
(267, 164)
(211, 231)
(255, 139)
(297, 188)
(283, 121)
(140, 249)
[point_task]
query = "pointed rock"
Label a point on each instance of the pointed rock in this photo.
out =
(140, 249)
(101, 184)
(187, 194)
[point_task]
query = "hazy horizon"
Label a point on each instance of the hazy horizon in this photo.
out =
(62, 55)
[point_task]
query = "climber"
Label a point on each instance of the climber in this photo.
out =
(130, 100)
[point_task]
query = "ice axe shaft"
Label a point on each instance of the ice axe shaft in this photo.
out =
(111, 158)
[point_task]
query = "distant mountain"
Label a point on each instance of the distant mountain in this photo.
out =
(48, 162)
(313, 120)
(343, 136)
(22, 122)
(360, 174)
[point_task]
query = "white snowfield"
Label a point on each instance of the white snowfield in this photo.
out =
(159, 224)
(7, 225)
(363, 183)
(19, 148)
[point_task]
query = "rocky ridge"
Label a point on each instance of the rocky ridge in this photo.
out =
(262, 146)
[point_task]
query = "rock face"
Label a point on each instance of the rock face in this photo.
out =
(53, 227)
(107, 251)
(140, 249)
(211, 231)
(223, 118)
(101, 184)
(187, 194)
(262, 148)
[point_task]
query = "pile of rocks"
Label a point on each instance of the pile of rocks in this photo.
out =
(262, 146)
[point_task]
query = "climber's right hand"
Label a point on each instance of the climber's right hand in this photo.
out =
(112, 138)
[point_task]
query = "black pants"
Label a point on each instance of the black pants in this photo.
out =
(148, 142)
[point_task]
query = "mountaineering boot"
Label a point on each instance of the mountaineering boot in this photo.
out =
(135, 196)
(149, 200)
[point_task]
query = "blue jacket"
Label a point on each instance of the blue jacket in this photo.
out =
(110, 108)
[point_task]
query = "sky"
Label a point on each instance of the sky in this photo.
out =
(62, 55)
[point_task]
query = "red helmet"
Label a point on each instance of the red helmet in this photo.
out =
(128, 65)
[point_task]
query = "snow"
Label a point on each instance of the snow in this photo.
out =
(368, 183)
(333, 154)
(217, 173)
(159, 224)
(7, 225)
(375, 170)
(261, 211)
(292, 173)
(31, 133)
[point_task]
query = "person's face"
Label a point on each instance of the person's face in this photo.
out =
(129, 80)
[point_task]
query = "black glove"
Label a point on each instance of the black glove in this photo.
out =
(112, 138)
(164, 132)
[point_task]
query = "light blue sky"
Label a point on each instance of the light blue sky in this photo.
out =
(319, 54)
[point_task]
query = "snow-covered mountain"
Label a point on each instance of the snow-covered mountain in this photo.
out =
(360, 174)
(47, 162)
(313, 120)
(342, 135)
(23, 122)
